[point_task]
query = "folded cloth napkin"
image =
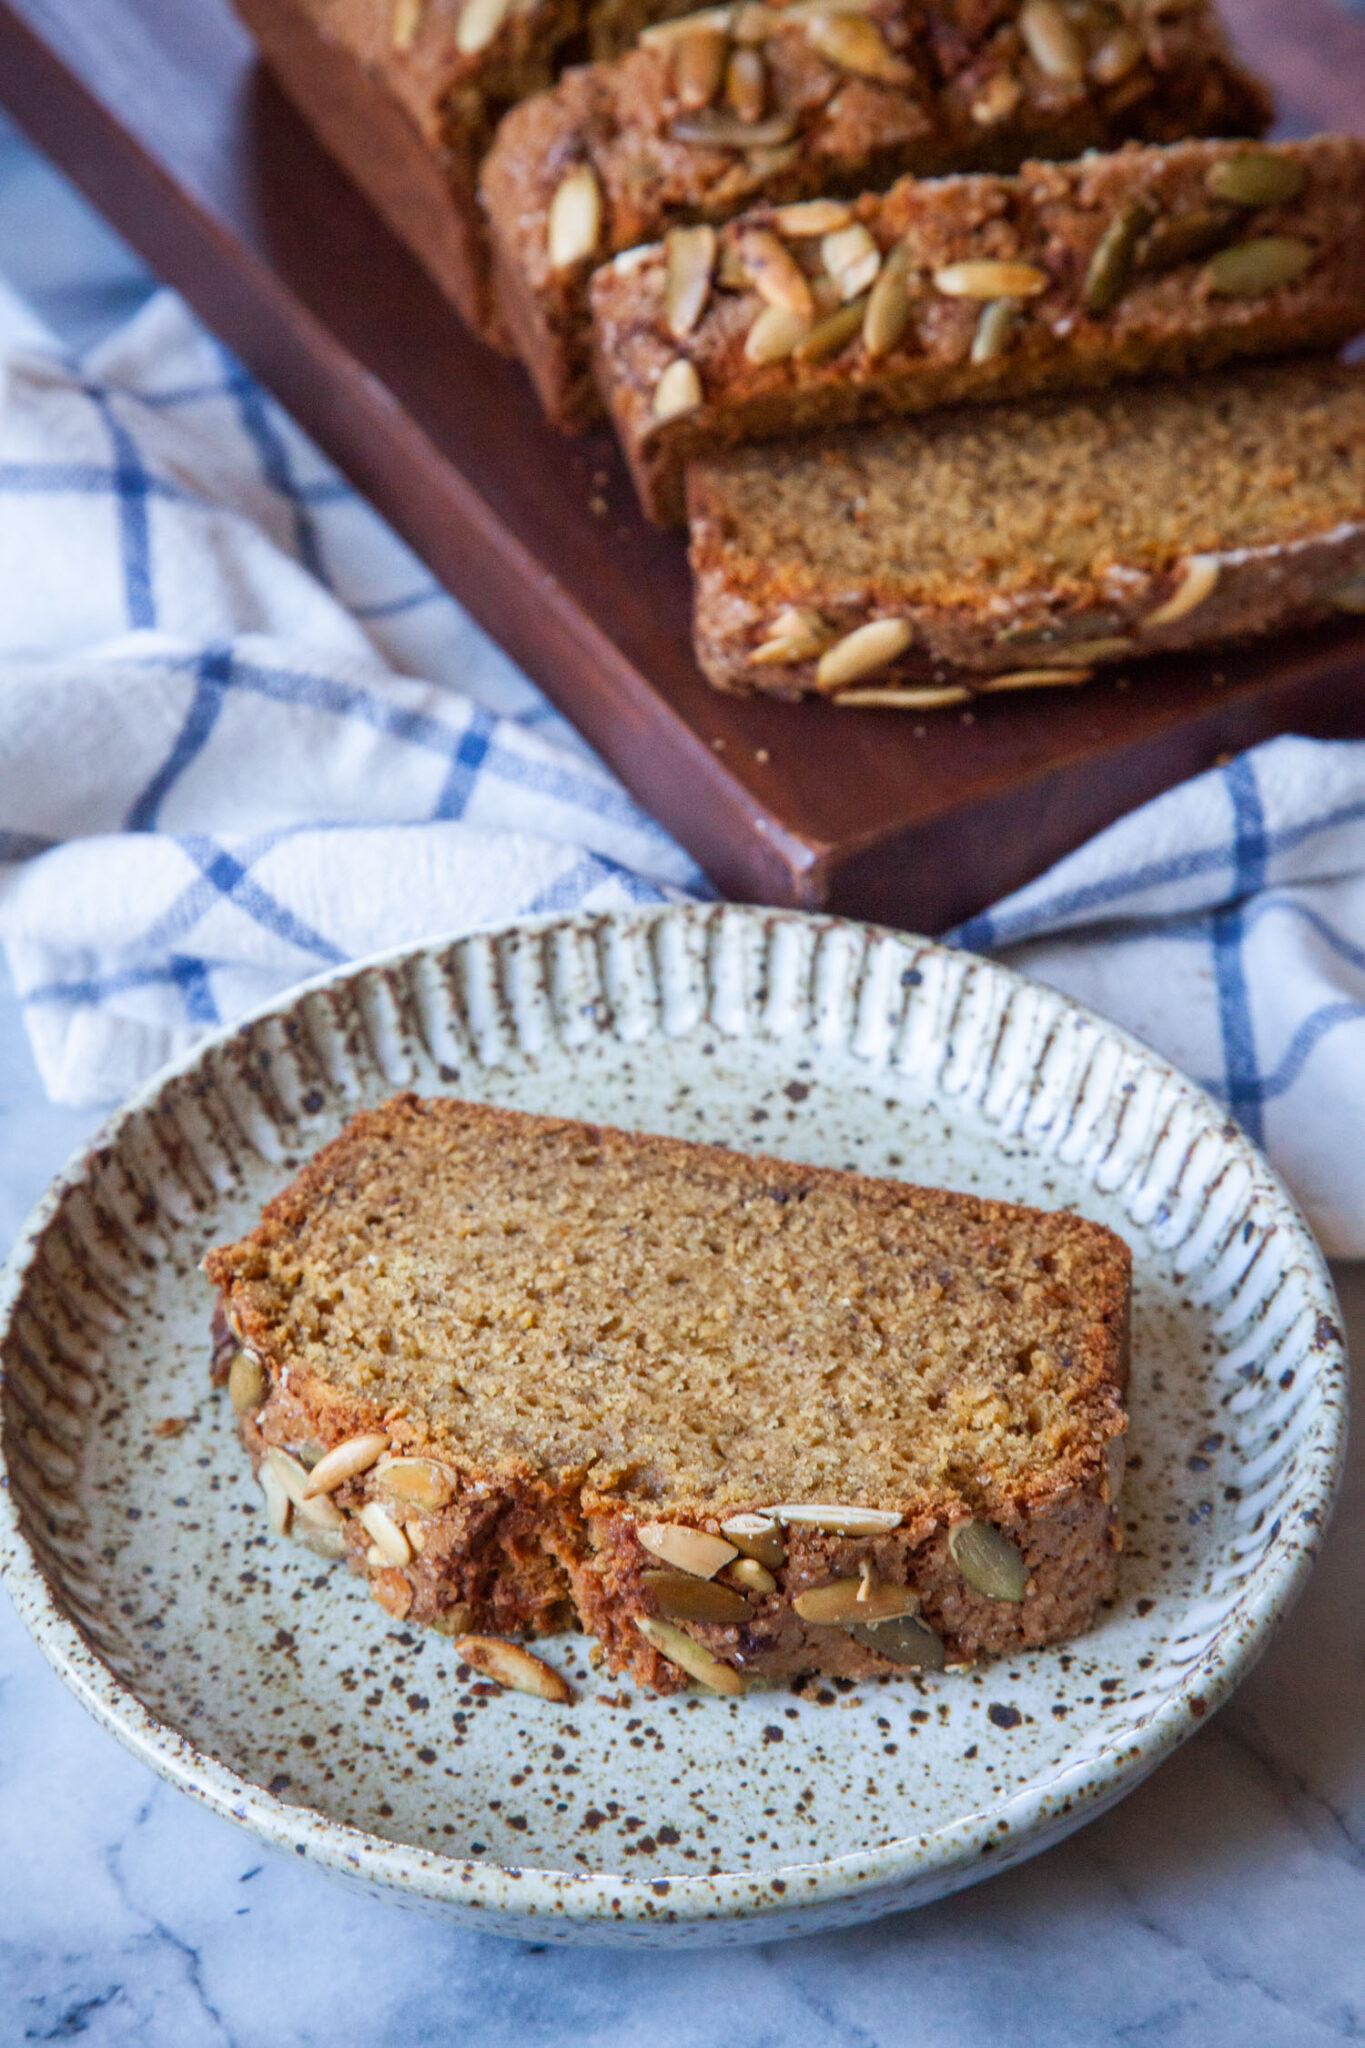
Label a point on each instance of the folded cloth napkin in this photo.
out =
(244, 736)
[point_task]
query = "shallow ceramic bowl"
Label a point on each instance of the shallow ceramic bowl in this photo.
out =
(271, 1687)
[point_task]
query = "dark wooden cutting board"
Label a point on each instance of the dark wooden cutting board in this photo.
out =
(160, 112)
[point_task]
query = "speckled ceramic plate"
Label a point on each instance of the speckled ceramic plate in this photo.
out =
(272, 1688)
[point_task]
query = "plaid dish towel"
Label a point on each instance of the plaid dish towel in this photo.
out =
(244, 736)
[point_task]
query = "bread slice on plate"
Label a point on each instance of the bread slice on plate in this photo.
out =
(737, 1417)
(921, 563)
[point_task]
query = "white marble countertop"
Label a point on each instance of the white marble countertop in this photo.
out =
(1222, 1903)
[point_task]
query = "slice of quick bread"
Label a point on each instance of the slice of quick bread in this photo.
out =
(736, 104)
(1066, 275)
(915, 564)
(737, 1417)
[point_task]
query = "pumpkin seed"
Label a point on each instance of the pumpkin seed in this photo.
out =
(1117, 55)
(774, 272)
(774, 335)
(699, 66)
(746, 84)
(678, 390)
(809, 217)
(682, 1598)
(1348, 596)
(794, 635)
(1198, 580)
(688, 1550)
(575, 217)
(246, 1383)
(993, 326)
(841, 1600)
(1248, 269)
(407, 19)
(903, 1641)
(1111, 265)
(1185, 237)
(856, 44)
(758, 1536)
(345, 1462)
(418, 1481)
(690, 257)
(888, 305)
(851, 258)
(479, 22)
(1256, 177)
(832, 1516)
(713, 129)
(1051, 40)
(859, 653)
(988, 277)
(753, 1577)
(988, 1561)
(829, 335)
(678, 1648)
(910, 697)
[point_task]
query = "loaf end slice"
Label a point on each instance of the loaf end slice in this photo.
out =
(921, 563)
(736, 1416)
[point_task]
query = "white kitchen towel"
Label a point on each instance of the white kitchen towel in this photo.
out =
(243, 736)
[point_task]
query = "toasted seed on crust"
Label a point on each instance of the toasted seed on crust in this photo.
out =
(990, 277)
(993, 326)
(860, 653)
(388, 1539)
(837, 1519)
(997, 100)
(988, 1561)
(903, 697)
(678, 390)
(455, 1620)
(856, 44)
(794, 635)
(510, 1665)
(1185, 237)
(686, 1549)
(841, 1600)
(278, 1506)
(774, 272)
(575, 222)
(393, 1592)
(661, 35)
(774, 335)
(1111, 265)
(479, 22)
(289, 1472)
(751, 1576)
(888, 305)
(418, 1481)
(682, 1598)
(699, 65)
(1034, 679)
(328, 1543)
(1256, 177)
(1076, 652)
(246, 1383)
(831, 334)
(690, 258)
(1051, 40)
(1117, 55)
(852, 259)
(746, 84)
(347, 1461)
(321, 1513)
(902, 1641)
(1248, 269)
(806, 218)
(712, 128)
(690, 1656)
(407, 19)
(1198, 580)
(758, 1536)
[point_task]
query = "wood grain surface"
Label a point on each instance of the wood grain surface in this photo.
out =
(161, 111)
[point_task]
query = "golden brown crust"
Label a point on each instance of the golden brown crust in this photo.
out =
(1045, 540)
(961, 91)
(1050, 217)
(519, 1542)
